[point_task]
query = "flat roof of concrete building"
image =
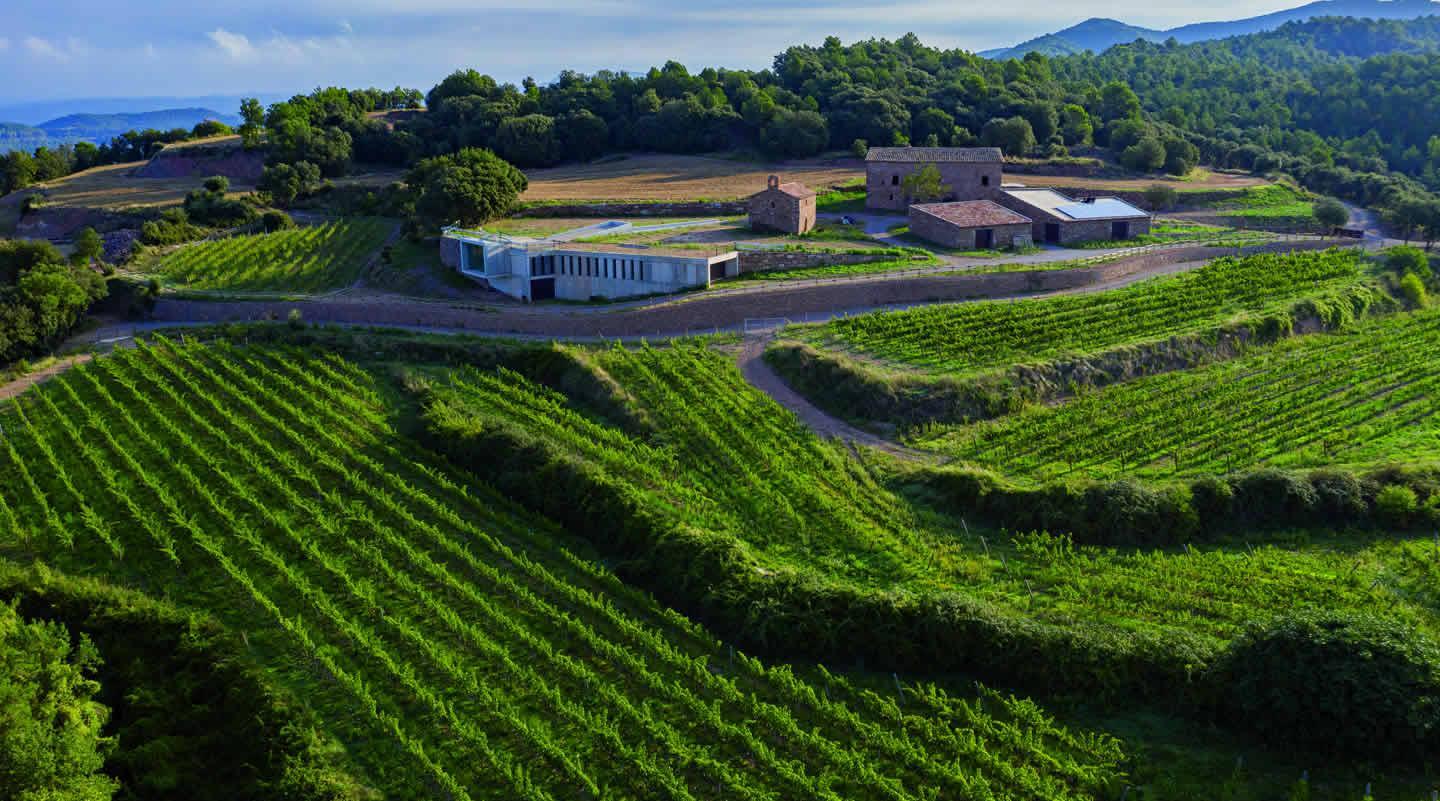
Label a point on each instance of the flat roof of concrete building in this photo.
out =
(1100, 208)
(936, 155)
(581, 248)
(973, 213)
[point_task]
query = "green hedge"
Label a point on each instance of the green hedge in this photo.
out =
(1126, 512)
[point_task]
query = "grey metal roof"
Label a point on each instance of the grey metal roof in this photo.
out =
(936, 155)
(1101, 208)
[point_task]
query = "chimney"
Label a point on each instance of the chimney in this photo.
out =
(774, 182)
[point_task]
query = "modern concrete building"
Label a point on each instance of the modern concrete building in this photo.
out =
(542, 269)
(971, 173)
(788, 207)
(970, 225)
(1059, 219)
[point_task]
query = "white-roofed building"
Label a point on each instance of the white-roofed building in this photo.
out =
(1059, 219)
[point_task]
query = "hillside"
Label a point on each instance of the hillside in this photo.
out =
(1097, 34)
(98, 128)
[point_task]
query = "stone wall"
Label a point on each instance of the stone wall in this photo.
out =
(776, 211)
(449, 252)
(611, 210)
(967, 181)
(756, 261)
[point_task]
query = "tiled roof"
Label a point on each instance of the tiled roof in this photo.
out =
(794, 189)
(936, 155)
(972, 213)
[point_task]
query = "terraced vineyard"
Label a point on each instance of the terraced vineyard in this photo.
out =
(964, 338)
(311, 259)
(1354, 398)
(448, 638)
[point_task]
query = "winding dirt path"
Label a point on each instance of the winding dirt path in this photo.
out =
(30, 379)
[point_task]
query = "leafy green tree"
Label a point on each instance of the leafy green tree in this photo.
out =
(1044, 120)
(528, 141)
(1160, 197)
(859, 148)
(1012, 135)
(1180, 156)
(583, 135)
(933, 122)
(17, 171)
(924, 185)
(207, 128)
(1118, 102)
(1146, 155)
(286, 183)
(19, 256)
(1404, 259)
(52, 163)
(795, 134)
(51, 745)
(469, 187)
(89, 247)
(1331, 213)
(1075, 125)
(252, 126)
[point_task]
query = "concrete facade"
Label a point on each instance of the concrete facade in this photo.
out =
(971, 173)
(970, 225)
(537, 269)
(788, 208)
(1053, 225)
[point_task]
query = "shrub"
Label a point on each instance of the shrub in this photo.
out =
(1395, 505)
(1413, 290)
(1128, 513)
(295, 319)
(1160, 197)
(1213, 499)
(1339, 496)
(859, 148)
(1331, 213)
(1407, 259)
(274, 220)
(1344, 684)
(1275, 498)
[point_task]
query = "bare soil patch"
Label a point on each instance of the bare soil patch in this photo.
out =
(680, 178)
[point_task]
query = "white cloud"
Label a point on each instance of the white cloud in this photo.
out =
(236, 45)
(45, 48)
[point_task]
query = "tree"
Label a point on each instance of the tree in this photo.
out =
(471, 187)
(50, 723)
(1014, 135)
(286, 183)
(1160, 197)
(1146, 155)
(795, 134)
(859, 148)
(528, 141)
(19, 256)
(1331, 213)
(206, 128)
(1180, 156)
(583, 135)
(1118, 102)
(1044, 120)
(18, 170)
(1075, 125)
(1404, 259)
(924, 186)
(252, 127)
(933, 122)
(89, 247)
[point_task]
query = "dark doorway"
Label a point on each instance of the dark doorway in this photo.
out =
(1120, 230)
(985, 239)
(717, 270)
(542, 289)
(1052, 232)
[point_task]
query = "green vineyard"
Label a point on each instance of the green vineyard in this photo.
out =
(970, 337)
(309, 259)
(1357, 398)
(454, 643)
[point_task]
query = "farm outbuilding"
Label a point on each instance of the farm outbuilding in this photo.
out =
(970, 224)
(1059, 219)
(970, 173)
(785, 207)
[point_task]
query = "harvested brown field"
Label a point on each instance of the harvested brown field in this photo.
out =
(1200, 181)
(680, 178)
(116, 187)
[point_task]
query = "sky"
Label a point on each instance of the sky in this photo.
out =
(61, 49)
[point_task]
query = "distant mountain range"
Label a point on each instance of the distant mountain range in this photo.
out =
(99, 128)
(1101, 34)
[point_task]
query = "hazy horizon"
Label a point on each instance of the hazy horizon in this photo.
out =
(83, 50)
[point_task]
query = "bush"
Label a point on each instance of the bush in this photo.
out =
(1160, 197)
(1274, 498)
(1413, 290)
(1331, 213)
(1146, 155)
(859, 148)
(274, 220)
(1395, 505)
(50, 722)
(173, 228)
(471, 187)
(1128, 513)
(1339, 496)
(1343, 684)
(1405, 259)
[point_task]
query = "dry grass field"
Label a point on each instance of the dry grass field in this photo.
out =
(1199, 181)
(672, 177)
(115, 187)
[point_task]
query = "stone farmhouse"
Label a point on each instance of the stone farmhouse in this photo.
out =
(971, 173)
(542, 269)
(970, 225)
(788, 207)
(1059, 219)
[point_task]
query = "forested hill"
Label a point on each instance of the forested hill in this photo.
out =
(1098, 35)
(98, 128)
